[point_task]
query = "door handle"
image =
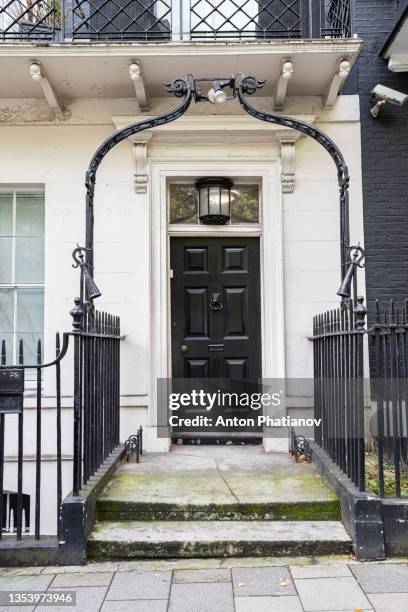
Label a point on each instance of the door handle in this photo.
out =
(184, 348)
(215, 301)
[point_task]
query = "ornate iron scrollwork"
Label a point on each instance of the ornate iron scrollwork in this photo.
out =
(134, 445)
(247, 86)
(299, 446)
(180, 88)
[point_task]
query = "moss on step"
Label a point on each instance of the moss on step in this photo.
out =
(299, 511)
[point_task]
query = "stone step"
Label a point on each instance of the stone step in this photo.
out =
(166, 539)
(120, 510)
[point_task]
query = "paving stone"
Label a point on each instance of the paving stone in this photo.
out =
(203, 575)
(328, 570)
(215, 597)
(17, 608)
(268, 604)
(140, 585)
(25, 583)
(262, 581)
(322, 594)
(82, 579)
(389, 602)
(381, 578)
(21, 571)
(101, 566)
(265, 561)
(88, 599)
(166, 564)
(145, 605)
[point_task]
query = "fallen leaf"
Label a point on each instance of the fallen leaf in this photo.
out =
(358, 610)
(283, 582)
(241, 584)
(351, 557)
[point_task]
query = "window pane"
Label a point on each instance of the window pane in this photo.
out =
(6, 214)
(6, 310)
(183, 204)
(6, 249)
(29, 260)
(29, 214)
(245, 204)
(30, 310)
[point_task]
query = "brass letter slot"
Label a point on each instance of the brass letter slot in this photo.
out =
(216, 347)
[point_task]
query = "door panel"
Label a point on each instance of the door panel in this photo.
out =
(216, 312)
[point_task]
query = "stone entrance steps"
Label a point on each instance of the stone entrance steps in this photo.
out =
(154, 539)
(205, 502)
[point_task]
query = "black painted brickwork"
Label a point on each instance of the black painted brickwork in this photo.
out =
(385, 156)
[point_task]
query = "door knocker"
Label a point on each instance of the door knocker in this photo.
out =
(215, 301)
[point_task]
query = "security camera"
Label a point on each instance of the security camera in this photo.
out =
(385, 94)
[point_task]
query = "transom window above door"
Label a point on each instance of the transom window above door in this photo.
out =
(183, 203)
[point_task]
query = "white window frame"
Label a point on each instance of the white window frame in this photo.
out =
(14, 189)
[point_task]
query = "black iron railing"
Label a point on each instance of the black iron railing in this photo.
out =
(96, 391)
(389, 393)
(363, 405)
(338, 349)
(95, 339)
(12, 387)
(165, 20)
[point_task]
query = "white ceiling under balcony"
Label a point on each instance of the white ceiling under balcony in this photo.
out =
(98, 70)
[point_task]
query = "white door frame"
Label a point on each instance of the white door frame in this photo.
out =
(271, 256)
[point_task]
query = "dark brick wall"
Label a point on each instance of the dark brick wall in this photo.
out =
(385, 156)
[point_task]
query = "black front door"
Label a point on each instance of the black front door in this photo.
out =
(216, 310)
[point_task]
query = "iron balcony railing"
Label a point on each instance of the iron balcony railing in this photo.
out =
(165, 20)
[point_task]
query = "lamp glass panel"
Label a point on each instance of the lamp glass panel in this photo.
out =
(245, 204)
(203, 201)
(214, 200)
(183, 203)
(225, 202)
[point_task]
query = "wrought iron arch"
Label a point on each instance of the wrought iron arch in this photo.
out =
(188, 88)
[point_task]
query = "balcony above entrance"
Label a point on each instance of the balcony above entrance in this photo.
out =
(62, 73)
(164, 20)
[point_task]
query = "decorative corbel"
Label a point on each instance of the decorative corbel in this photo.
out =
(287, 139)
(140, 158)
(337, 81)
(38, 74)
(135, 73)
(282, 85)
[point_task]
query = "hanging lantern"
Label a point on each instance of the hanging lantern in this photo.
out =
(214, 203)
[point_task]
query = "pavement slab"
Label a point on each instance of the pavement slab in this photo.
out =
(268, 604)
(322, 594)
(389, 602)
(328, 570)
(262, 581)
(145, 605)
(202, 575)
(25, 583)
(379, 578)
(140, 585)
(88, 599)
(90, 579)
(215, 597)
